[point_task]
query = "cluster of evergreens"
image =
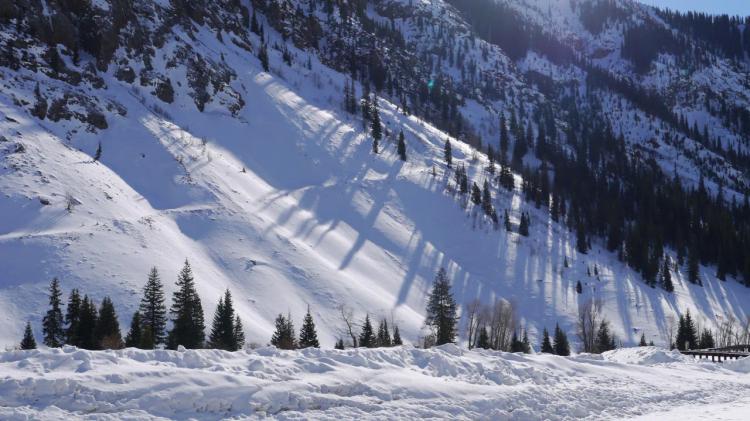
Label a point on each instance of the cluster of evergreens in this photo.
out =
(87, 327)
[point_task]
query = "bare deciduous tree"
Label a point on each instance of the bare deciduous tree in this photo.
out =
(473, 321)
(589, 314)
(347, 317)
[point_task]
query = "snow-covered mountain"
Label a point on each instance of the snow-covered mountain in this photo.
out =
(269, 187)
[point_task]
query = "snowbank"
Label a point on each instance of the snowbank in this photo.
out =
(447, 382)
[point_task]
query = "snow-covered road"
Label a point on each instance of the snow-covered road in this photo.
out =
(447, 382)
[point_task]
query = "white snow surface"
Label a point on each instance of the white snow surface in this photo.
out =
(386, 383)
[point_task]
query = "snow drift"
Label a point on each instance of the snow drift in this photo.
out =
(445, 382)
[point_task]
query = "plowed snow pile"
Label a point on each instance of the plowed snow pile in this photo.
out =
(446, 382)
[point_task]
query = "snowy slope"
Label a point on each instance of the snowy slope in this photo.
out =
(282, 202)
(409, 383)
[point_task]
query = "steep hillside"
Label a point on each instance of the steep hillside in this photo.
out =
(269, 187)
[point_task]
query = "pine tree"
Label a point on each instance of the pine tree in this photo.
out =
(476, 194)
(135, 335)
(483, 340)
(52, 324)
(384, 335)
(706, 340)
(579, 287)
(515, 344)
(222, 334)
(487, 198)
(604, 340)
(263, 57)
(283, 337)
(523, 227)
(448, 153)
(666, 277)
(397, 336)
(239, 333)
(581, 242)
(308, 336)
(72, 317)
(152, 310)
(441, 310)
(504, 142)
(376, 127)
(546, 344)
(686, 334)
(339, 344)
(401, 146)
(561, 342)
(28, 341)
(107, 332)
(643, 340)
(693, 270)
(367, 337)
(188, 326)
(85, 336)
(254, 28)
(98, 153)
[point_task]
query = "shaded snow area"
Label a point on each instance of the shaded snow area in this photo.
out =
(403, 382)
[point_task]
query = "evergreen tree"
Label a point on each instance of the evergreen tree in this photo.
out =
(523, 227)
(666, 277)
(254, 28)
(448, 153)
(367, 337)
(604, 340)
(515, 344)
(263, 56)
(98, 153)
(401, 146)
(561, 342)
(384, 335)
(693, 270)
(284, 337)
(147, 339)
(188, 325)
(706, 340)
(581, 242)
(397, 336)
(223, 335)
(504, 143)
(135, 335)
(107, 332)
(28, 341)
(483, 340)
(308, 336)
(72, 317)
(52, 324)
(686, 333)
(487, 198)
(85, 336)
(339, 344)
(441, 309)
(546, 344)
(579, 287)
(152, 310)
(643, 340)
(376, 127)
(239, 333)
(476, 194)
